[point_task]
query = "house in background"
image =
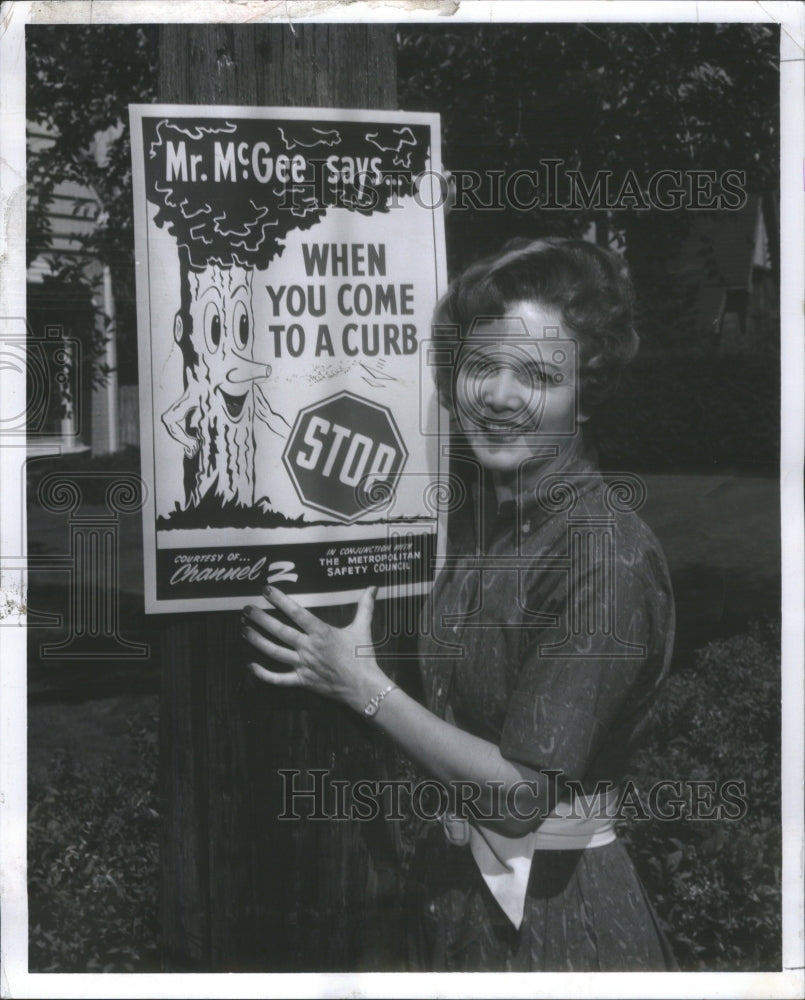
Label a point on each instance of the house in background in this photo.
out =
(729, 266)
(67, 309)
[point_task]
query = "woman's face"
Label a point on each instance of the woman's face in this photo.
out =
(516, 387)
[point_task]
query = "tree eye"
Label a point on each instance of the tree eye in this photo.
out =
(241, 325)
(212, 327)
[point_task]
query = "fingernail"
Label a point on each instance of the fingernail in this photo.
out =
(374, 592)
(268, 589)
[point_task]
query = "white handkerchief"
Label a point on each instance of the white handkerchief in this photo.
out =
(505, 863)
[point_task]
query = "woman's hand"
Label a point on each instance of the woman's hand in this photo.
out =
(338, 663)
(334, 662)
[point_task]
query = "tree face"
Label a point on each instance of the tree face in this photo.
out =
(222, 334)
(217, 412)
(222, 326)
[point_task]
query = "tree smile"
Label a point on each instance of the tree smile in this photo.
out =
(234, 404)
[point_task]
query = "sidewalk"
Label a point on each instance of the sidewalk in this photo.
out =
(720, 534)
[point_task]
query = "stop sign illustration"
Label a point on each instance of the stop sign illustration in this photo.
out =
(344, 456)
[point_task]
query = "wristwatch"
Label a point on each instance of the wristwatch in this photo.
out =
(374, 703)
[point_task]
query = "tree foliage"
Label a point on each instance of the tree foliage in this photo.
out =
(598, 97)
(616, 97)
(80, 81)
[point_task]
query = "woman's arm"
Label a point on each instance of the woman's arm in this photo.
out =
(453, 755)
(333, 662)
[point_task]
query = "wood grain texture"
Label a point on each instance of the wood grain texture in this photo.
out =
(242, 890)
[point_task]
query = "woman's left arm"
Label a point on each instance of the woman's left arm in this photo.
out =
(333, 662)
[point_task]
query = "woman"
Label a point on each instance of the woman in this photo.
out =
(547, 633)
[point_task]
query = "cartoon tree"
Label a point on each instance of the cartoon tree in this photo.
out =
(214, 417)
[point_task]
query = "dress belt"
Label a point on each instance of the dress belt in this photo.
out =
(505, 862)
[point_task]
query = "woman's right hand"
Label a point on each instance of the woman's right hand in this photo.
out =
(334, 662)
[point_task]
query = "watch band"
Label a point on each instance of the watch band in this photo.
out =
(374, 703)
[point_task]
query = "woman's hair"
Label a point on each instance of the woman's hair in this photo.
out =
(590, 286)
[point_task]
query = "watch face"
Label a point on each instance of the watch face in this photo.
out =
(371, 708)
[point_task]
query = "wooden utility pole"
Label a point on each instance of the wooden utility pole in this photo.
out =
(242, 890)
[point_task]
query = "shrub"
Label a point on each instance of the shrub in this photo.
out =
(93, 865)
(717, 884)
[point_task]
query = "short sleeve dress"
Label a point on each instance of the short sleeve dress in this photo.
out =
(549, 634)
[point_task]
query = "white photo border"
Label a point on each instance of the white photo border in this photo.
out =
(15, 980)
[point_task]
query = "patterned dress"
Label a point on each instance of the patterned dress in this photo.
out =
(549, 634)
